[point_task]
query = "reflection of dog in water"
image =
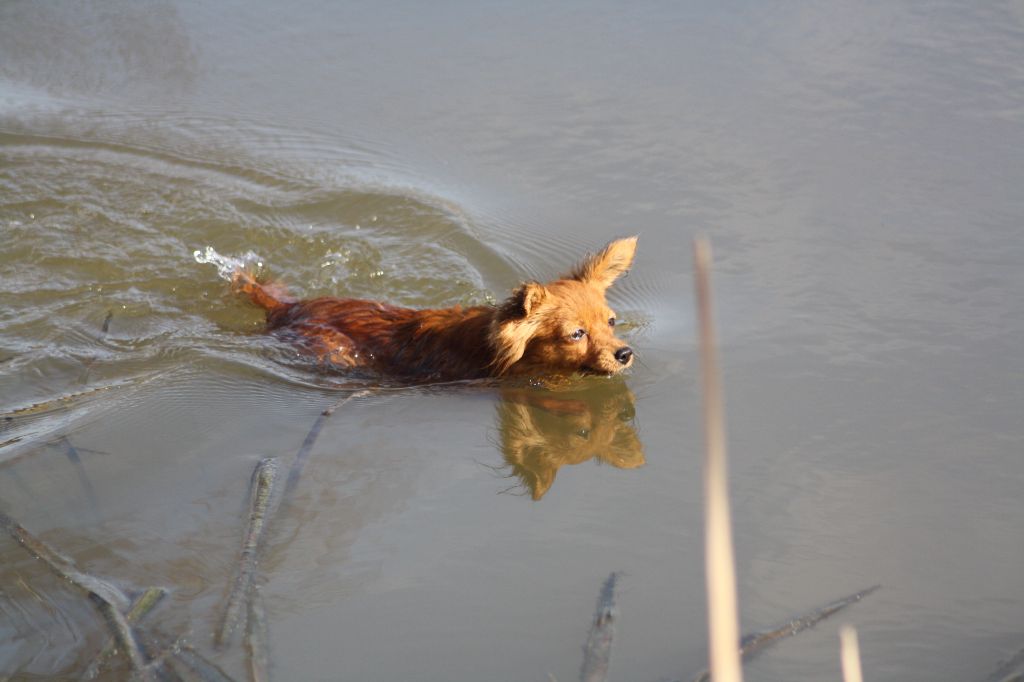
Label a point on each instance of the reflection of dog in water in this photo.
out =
(543, 430)
(561, 327)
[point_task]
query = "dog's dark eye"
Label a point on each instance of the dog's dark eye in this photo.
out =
(577, 335)
(611, 321)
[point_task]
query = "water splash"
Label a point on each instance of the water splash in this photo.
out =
(226, 265)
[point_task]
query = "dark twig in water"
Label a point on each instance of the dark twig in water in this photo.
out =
(261, 496)
(262, 504)
(598, 649)
(104, 328)
(142, 605)
(1010, 670)
(60, 402)
(256, 638)
(110, 600)
(71, 452)
(756, 642)
(295, 471)
(123, 635)
(190, 665)
(63, 566)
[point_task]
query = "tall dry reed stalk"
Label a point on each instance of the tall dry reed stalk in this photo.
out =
(719, 563)
(849, 654)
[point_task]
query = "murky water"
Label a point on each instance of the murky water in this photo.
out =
(858, 169)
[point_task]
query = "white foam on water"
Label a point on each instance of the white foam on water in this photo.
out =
(226, 265)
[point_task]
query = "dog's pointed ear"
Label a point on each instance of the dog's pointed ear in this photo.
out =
(604, 267)
(529, 296)
(516, 323)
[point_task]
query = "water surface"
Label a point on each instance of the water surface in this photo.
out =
(858, 169)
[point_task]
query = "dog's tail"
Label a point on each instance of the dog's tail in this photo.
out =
(269, 295)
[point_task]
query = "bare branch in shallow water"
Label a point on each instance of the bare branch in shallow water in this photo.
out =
(1010, 670)
(63, 566)
(598, 649)
(260, 498)
(256, 638)
(142, 605)
(719, 563)
(263, 503)
(108, 599)
(314, 432)
(61, 402)
(71, 452)
(756, 642)
(123, 635)
(189, 665)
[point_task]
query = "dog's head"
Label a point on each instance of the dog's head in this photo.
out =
(565, 325)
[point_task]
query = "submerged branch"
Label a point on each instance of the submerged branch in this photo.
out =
(63, 566)
(261, 496)
(123, 635)
(295, 471)
(262, 505)
(756, 642)
(108, 599)
(60, 402)
(256, 638)
(190, 664)
(598, 649)
(1010, 670)
(142, 605)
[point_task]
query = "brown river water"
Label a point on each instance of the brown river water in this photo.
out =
(858, 168)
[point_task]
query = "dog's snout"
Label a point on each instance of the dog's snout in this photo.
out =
(624, 354)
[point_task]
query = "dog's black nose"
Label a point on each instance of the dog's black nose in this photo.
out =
(624, 354)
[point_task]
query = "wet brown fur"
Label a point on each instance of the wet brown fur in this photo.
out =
(530, 333)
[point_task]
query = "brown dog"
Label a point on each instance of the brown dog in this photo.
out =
(560, 327)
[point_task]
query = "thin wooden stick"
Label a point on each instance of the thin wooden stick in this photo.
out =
(142, 605)
(1010, 670)
(63, 566)
(83, 478)
(719, 563)
(190, 664)
(256, 638)
(597, 651)
(123, 635)
(108, 599)
(756, 642)
(262, 505)
(295, 471)
(849, 652)
(261, 496)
